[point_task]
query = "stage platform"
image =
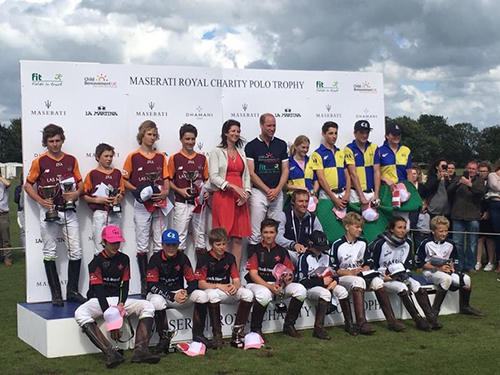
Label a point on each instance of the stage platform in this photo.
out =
(54, 333)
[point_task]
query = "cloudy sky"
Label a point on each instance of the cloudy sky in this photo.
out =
(438, 57)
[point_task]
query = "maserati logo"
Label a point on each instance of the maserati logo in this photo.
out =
(244, 106)
(151, 112)
(244, 113)
(151, 105)
(328, 107)
(48, 103)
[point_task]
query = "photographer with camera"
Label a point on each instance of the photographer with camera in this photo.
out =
(435, 189)
(468, 191)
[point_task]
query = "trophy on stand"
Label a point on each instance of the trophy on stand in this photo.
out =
(237, 335)
(49, 192)
(191, 176)
(112, 193)
(68, 186)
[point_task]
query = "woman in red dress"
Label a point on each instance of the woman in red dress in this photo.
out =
(230, 181)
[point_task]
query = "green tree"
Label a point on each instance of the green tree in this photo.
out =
(10, 139)
(487, 145)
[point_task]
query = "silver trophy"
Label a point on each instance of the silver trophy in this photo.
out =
(191, 176)
(68, 187)
(112, 193)
(237, 336)
(49, 192)
(153, 177)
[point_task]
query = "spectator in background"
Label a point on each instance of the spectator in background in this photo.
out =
(451, 169)
(485, 242)
(493, 198)
(6, 254)
(435, 191)
(468, 190)
(19, 200)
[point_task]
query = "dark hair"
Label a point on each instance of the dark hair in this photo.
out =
(217, 235)
(268, 222)
(187, 128)
(262, 118)
(327, 125)
(392, 223)
(225, 128)
(434, 165)
(486, 164)
(101, 147)
(298, 192)
(144, 127)
(50, 131)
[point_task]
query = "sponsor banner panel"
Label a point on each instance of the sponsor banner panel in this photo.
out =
(97, 103)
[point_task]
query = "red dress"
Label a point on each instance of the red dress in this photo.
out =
(225, 212)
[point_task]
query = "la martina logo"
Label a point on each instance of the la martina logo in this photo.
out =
(366, 115)
(364, 88)
(287, 112)
(329, 113)
(199, 114)
(101, 111)
(49, 110)
(245, 112)
(153, 111)
(100, 80)
(328, 87)
(38, 80)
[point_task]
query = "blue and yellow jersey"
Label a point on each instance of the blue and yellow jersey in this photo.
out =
(364, 162)
(300, 177)
(333, 164)
(394, 165)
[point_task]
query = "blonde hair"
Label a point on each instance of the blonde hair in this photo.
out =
(439, 220)
(353, 218)
(144, 127)
(298, 141)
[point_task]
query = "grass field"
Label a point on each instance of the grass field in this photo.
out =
(466, 345)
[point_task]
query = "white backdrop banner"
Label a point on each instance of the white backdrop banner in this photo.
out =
(97, 103)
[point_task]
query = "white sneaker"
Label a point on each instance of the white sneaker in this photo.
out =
(489, 267)
(478, 266)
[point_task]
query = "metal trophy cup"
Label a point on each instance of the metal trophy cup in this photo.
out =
(112, 193)
(152, 177)
(49, 192)
(237, 342)
(191, 176)
(67, 187)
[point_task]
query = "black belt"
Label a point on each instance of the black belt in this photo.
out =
(368, 191)
(187, 201)
(338, 191)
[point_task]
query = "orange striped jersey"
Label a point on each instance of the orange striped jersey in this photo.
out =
(95, 177)
(138, 165)
(180, 164)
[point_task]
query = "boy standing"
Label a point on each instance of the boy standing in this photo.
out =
(109, 276)
(261, 262)
(437, 256)
(188, 170)
(350, 257)
(104, 206)
(146, 176)
(47, 171)
(217, 274)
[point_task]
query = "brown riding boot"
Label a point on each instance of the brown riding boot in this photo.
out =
(214, 312)
(113, 358)
(358, 299)
(141, 351)
(199, 317)
(291, 317)
(412, 310)
(425, 304)
(240, 322)
(319, 322)
(258, 313)
(465, 308)
(385, 304)
(350, 327)
(438, 299)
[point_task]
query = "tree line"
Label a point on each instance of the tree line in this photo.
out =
(430, 137)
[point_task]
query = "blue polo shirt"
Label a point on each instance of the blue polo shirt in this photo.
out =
(301, 177)
(394, 165)
(364, 162)
(267, 160)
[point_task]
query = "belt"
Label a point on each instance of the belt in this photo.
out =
(187, 201)
(338, 191)
(368, 191)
